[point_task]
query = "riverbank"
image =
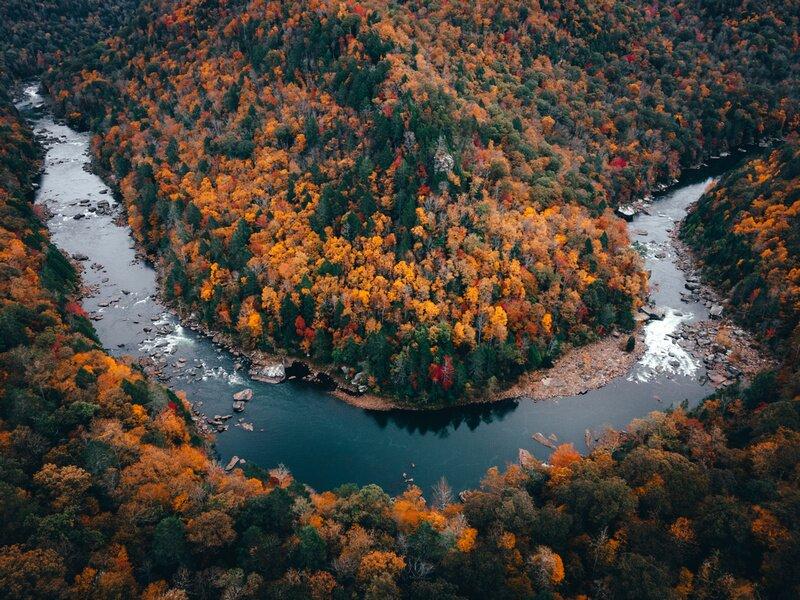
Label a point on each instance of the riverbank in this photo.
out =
(579, 369)
(575, 372)
(730, 353)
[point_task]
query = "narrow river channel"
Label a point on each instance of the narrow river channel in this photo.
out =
(323, 441)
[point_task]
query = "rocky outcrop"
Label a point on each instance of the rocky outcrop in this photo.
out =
(544, 441)
(267, 372)
(246, 395)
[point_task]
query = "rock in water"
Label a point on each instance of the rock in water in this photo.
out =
(527, 460)
(268, 373)
(539, 437)
(246, 395)
(626, 211)
(238, 405)
(232, 463)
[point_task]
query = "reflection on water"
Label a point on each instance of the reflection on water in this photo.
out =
(323, 441)
(442, 422)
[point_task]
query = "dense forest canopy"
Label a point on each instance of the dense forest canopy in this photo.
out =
(419, 191)
(35, 34)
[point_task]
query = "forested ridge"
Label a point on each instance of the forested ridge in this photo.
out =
(36, 34)
(421, 192)
(106, 489)
(746, 229)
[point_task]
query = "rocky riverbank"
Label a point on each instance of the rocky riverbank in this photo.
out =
(580, 369)
(729, 353)
(575, 372)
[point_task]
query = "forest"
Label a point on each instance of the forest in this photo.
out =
(107, 491)
(494, 154)
(37, 34)
(411, 191)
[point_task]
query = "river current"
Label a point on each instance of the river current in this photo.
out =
(323, 441)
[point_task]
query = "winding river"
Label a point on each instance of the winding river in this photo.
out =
(323, 441)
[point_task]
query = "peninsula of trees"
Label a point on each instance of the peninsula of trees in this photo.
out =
(421, 192)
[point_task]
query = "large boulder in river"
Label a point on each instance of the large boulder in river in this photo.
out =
(246, 395)
(626, 211)
(238, 405)
(539, 437)
(654, 313)
(268, 373)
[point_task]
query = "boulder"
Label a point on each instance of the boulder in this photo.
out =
(527, 460)
(238, 405)
(268, 373)
(539, 437)
(717, 378)
(654, 313)
(626, 211)
(245, 394)
(715, 312)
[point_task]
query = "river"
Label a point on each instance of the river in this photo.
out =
(323, 441)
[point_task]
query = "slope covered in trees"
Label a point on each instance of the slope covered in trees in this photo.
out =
(106, 491)
(746, 230)
(418, 191)
(36, 34)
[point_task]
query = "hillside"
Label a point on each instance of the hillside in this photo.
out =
(746, 230)
(36, 34)
(408, 190)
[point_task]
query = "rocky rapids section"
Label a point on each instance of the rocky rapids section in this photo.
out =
(728, 352)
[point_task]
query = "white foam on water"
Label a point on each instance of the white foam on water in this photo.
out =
(215, 373)
(167, 342)
(663, 354)
(236, 379)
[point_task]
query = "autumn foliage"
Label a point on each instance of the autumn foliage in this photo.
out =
(490, 218)
(421, 197)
